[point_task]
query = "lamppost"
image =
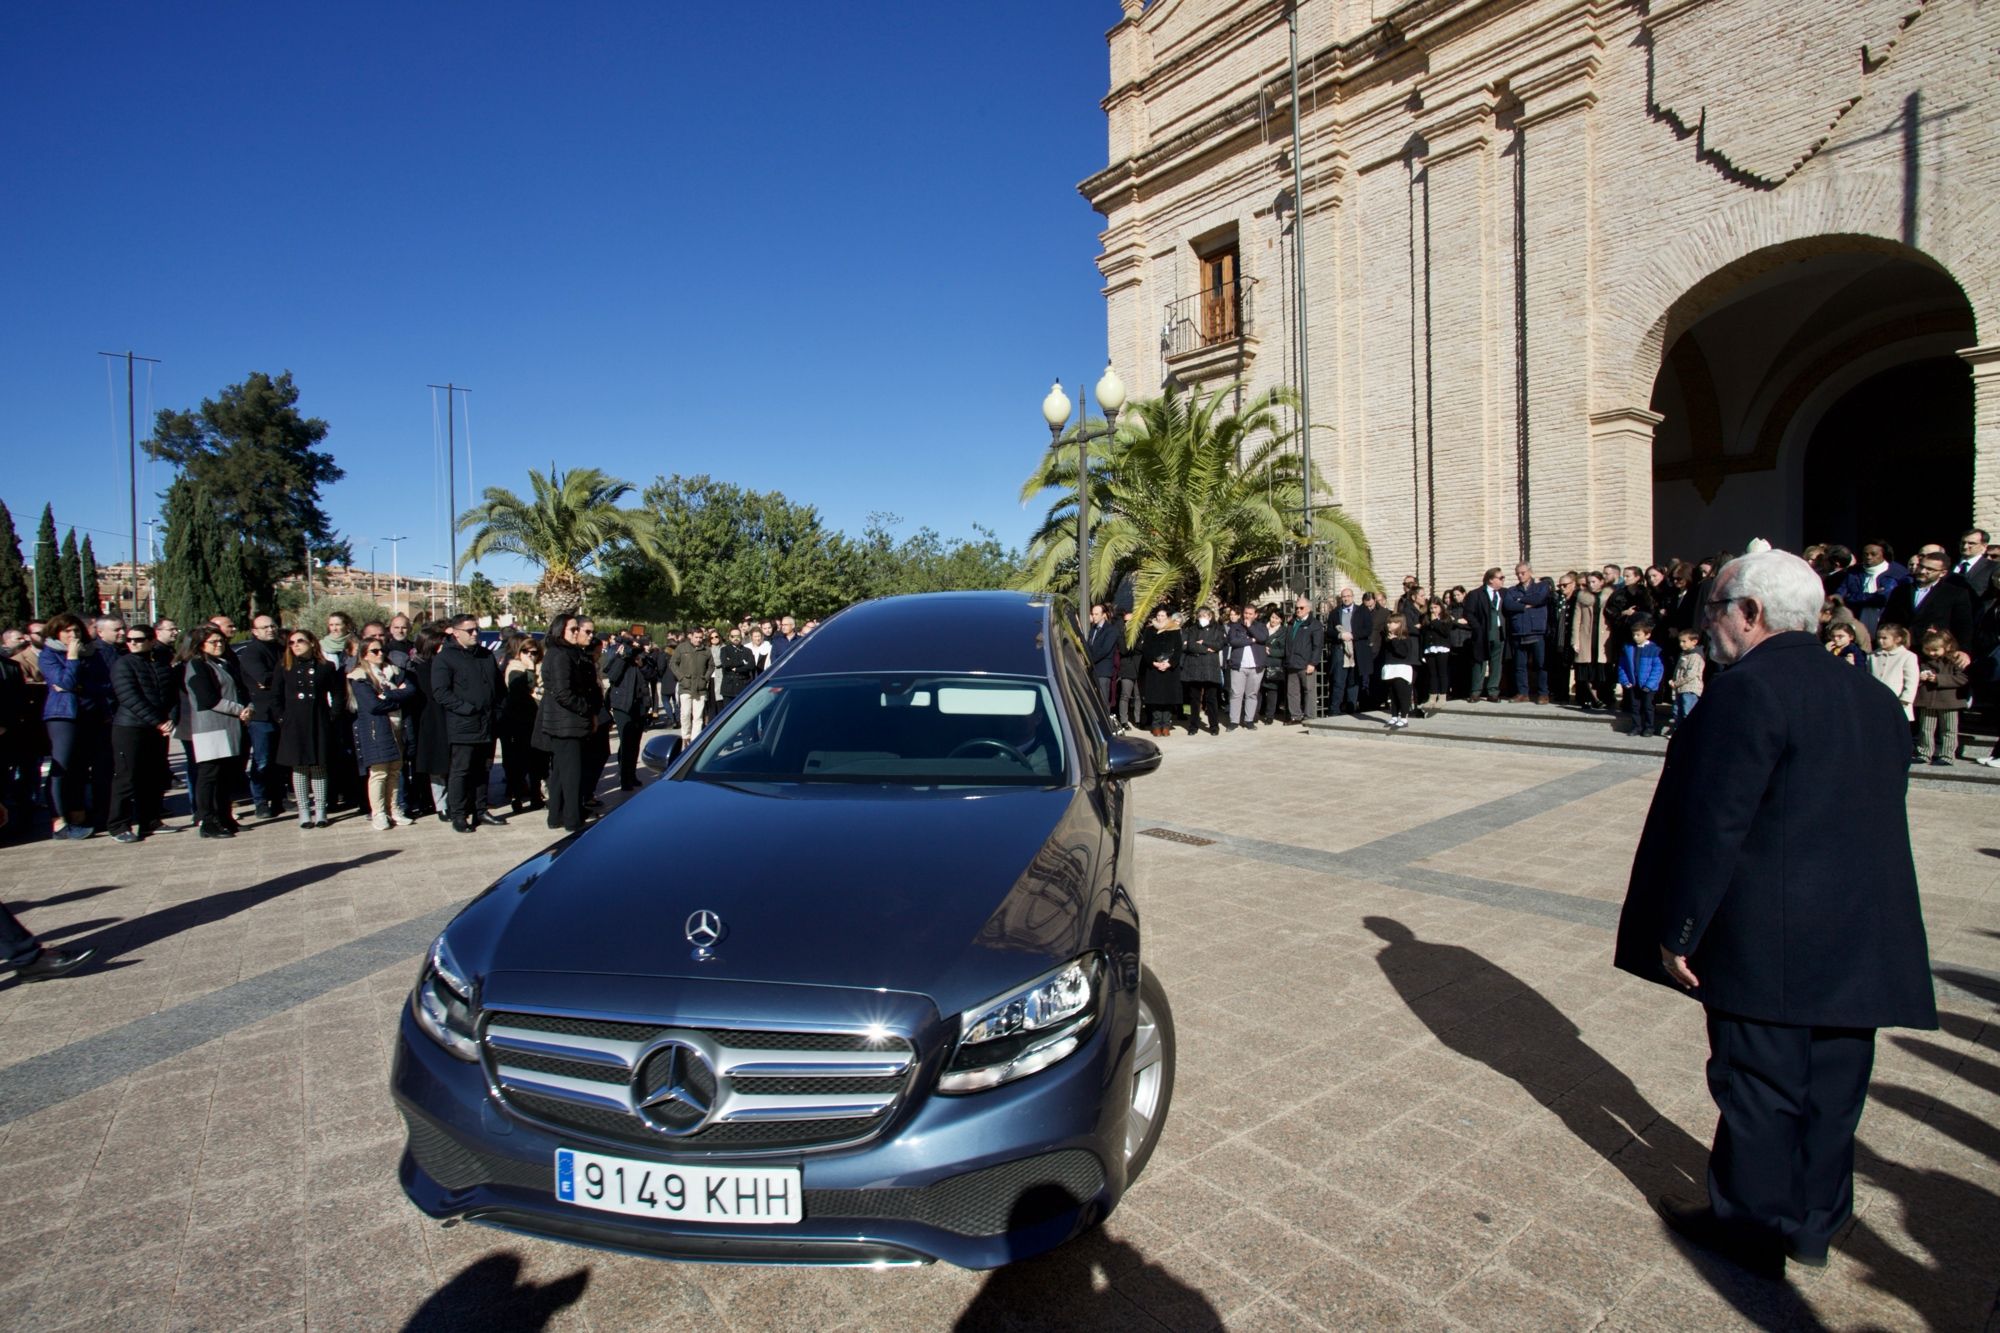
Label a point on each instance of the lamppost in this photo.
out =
(1055, 411)
(395, 571)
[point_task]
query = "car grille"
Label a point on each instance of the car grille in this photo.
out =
(722, 1090)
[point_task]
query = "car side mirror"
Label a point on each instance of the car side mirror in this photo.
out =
(1131, 757)
(660, 752)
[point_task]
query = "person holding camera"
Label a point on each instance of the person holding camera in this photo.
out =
(629, 668)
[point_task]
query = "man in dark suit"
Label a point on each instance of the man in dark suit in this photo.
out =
(1931, 601)
(1489, 637)
(1975, 565)
(1748, 893)
(1103, 647)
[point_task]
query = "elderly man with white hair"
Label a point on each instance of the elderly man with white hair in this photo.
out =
(1750, 893)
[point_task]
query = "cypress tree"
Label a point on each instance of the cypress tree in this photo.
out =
(93, 596)
(15, 606)
(69, 577)
(201, 572)
(48, 582)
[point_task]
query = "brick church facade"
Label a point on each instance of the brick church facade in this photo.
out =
(1588, 280)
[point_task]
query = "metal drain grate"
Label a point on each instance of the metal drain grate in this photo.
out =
(1171, 836)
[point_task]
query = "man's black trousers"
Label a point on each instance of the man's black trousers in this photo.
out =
(465, 788)
(1783, 1161)
(138, 761)
(631, 731)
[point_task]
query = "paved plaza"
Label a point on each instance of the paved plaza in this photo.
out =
(1412, 1091)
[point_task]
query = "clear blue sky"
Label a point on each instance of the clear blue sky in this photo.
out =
(832, 249)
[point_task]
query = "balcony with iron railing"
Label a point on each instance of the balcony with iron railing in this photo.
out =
(1211, 332)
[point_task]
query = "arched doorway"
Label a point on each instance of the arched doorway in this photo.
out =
(1813, 392)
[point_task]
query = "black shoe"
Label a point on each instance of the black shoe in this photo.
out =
(55, 963)
(443, 818)
(460, 826)
(1809, 1258)
(1697, 1224)
(215, 831)
(488, 817)
(323, 823)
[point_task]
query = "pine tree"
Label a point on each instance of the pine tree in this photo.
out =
(15, 606)
(48, 576)
(201, 571)
(93, 596)
(69, 577)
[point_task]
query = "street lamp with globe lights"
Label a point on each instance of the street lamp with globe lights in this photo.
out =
(1055, 411)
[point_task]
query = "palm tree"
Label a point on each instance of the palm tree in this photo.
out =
(1185, 497)
(566, 528)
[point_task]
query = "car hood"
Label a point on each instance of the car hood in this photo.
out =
(956, 896)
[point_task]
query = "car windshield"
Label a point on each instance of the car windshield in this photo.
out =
(900, 728)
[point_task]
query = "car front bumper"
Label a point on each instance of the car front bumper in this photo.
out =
(977, 1181)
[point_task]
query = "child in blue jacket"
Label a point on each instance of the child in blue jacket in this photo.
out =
(1640, 671)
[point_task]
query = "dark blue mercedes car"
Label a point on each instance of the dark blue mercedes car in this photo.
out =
(858, 982)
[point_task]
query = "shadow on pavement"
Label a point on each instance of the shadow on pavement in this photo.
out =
(21, 905)
(1971, 983)
(1060, 1289)
(1486, 1013)
(141, 931)
(490, 1296)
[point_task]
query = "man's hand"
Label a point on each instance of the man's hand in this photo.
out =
(1310, 668)
(166, 728)
(1676, 966)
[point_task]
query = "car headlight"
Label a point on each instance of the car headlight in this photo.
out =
(442, 1003)
(1027, 1029)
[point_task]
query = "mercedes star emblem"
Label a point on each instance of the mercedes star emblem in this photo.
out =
(679, 1104)
(704, 932)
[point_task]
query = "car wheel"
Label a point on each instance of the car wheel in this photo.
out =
(1152, 1075)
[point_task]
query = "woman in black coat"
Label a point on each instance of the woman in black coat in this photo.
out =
(1159, 674)
(312, 711)
(1369, 624)
(571, 702)
(430, 746)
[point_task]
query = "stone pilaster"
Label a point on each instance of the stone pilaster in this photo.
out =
(1471, 493)
(1985, 362)
(1621, 490)
(1552, 198)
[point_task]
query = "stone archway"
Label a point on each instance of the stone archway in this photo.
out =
(1778, 384)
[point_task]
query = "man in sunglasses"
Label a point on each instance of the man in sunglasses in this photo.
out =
(261, 660)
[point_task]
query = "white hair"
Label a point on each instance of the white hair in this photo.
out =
(1785, 586)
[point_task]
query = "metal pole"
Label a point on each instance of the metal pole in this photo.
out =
(451, 487)
(152, 591)
(1082, 515)
(132, 458)
(1299, 296)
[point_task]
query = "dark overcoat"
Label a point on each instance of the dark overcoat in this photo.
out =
(430, 744)
(1749, 866)
(1201, 653)
(313, 698)
(465, 685)
(1160, 689)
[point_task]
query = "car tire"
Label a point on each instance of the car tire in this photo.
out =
(1152, 1075)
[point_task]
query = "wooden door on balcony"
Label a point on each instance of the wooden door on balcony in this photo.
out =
(1218, 296)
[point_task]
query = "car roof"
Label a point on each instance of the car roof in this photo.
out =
(997, 632)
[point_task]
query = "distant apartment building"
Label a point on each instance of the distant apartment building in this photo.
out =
(1585, 281)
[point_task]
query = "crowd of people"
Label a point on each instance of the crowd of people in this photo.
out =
(394, 720)
(1622, 639)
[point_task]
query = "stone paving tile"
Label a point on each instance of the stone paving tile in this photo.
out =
(1458, 1130)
